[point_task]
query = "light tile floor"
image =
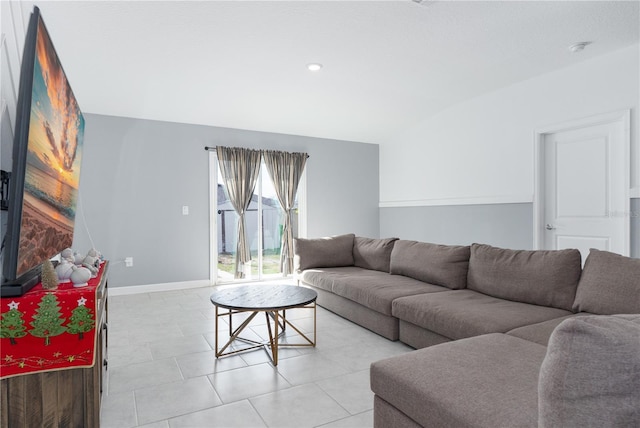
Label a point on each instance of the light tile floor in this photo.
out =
(163, 371)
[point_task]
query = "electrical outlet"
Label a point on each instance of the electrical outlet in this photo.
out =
(128, 262)
(185, 210)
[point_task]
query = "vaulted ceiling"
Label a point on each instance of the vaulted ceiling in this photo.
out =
(386, 64)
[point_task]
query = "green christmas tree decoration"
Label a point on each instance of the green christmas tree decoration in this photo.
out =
(81, 320)
(49, 277)
(48, 320)
(12, 325)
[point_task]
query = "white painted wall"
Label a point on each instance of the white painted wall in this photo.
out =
(10, 55)
(12, 38)
(481, 151)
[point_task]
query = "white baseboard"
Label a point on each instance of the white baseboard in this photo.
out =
(167, 286)
(634, 192)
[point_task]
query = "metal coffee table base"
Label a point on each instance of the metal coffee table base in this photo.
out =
(271, 346)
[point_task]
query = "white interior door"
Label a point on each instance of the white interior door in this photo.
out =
(585, 188)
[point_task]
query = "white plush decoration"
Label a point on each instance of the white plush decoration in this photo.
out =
(97, 254)
(64, 270)
(78, 258)
(80, 276)
(67, 254)
(92, 263)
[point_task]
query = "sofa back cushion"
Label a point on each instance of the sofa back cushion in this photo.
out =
(374, 254)
(444, 265)
(543, 277)
(335, 251)
(590, 376)
(610, 284)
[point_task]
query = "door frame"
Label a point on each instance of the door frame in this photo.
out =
(623, 118)
(213, 219)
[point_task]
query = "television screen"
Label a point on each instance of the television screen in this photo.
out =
(46, 158)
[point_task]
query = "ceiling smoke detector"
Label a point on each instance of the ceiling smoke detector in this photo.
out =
(578, 47)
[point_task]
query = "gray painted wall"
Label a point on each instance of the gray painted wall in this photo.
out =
(137, 174)
(501, 225)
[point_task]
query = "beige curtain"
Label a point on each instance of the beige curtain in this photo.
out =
(239, 169)
(285, 170)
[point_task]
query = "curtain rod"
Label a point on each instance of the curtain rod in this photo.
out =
(209, 148)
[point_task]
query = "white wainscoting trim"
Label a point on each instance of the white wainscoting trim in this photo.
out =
(634, 192)
(149, 288)
(469, 200)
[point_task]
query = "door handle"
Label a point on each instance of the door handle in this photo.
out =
(549, 227)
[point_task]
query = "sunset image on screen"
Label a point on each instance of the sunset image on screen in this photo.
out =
(54, 154)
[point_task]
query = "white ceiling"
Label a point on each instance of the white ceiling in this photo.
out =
(387, 64)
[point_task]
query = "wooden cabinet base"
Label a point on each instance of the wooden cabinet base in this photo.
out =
(63, 398)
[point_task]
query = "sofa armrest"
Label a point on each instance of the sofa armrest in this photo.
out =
(591, 373)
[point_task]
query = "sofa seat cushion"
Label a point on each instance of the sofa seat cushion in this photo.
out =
(324, 278)
(541, 277)
(486, 381)
(610, 284)
(540, 332)
(377, 290)
(457, 314)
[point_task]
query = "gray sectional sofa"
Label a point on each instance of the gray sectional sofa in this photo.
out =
(495, 316)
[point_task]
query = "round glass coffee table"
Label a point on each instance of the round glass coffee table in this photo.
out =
(273, 301)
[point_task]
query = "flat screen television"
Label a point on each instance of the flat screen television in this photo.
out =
(47, 153)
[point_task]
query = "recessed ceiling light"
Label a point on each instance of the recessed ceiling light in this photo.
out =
(424, 2)
(578, 47)
(314, 66)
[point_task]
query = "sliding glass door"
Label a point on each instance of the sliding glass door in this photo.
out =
(264, 226)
